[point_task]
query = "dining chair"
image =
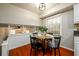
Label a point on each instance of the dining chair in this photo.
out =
(35, 33)
(55, 44)
(35, 45)
(50, 33)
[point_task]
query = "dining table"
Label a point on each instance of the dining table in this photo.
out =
(44, 40)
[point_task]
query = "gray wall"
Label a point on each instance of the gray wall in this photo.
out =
(67, 30)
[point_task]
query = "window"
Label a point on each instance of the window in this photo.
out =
(53, 24)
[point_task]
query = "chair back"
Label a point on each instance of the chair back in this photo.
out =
(34, 34)
(50, 33)
(57, 41)
(32, 41)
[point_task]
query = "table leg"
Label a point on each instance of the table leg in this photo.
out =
(44, 47)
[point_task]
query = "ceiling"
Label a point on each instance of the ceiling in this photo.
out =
(50, 7)
(33, 7)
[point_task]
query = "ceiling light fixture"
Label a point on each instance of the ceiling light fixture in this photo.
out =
(42, 6)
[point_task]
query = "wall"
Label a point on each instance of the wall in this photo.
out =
(11, 14)
(66, 28)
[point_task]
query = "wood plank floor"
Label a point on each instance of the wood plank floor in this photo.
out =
(25, 51)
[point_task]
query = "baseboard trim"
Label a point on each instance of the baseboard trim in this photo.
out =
(67, 48)
(19, 46)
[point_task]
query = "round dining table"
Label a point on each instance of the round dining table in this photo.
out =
(44, 40)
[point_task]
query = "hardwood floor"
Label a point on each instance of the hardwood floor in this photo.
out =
(25, 51)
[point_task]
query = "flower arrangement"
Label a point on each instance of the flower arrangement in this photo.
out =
(43, 29)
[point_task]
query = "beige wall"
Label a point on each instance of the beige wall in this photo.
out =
(12, 14)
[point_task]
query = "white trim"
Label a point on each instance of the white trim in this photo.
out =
(67, 48)
(18, 46)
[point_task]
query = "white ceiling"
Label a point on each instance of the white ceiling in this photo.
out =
(50, 7)
(33, 6)
(28, 6)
